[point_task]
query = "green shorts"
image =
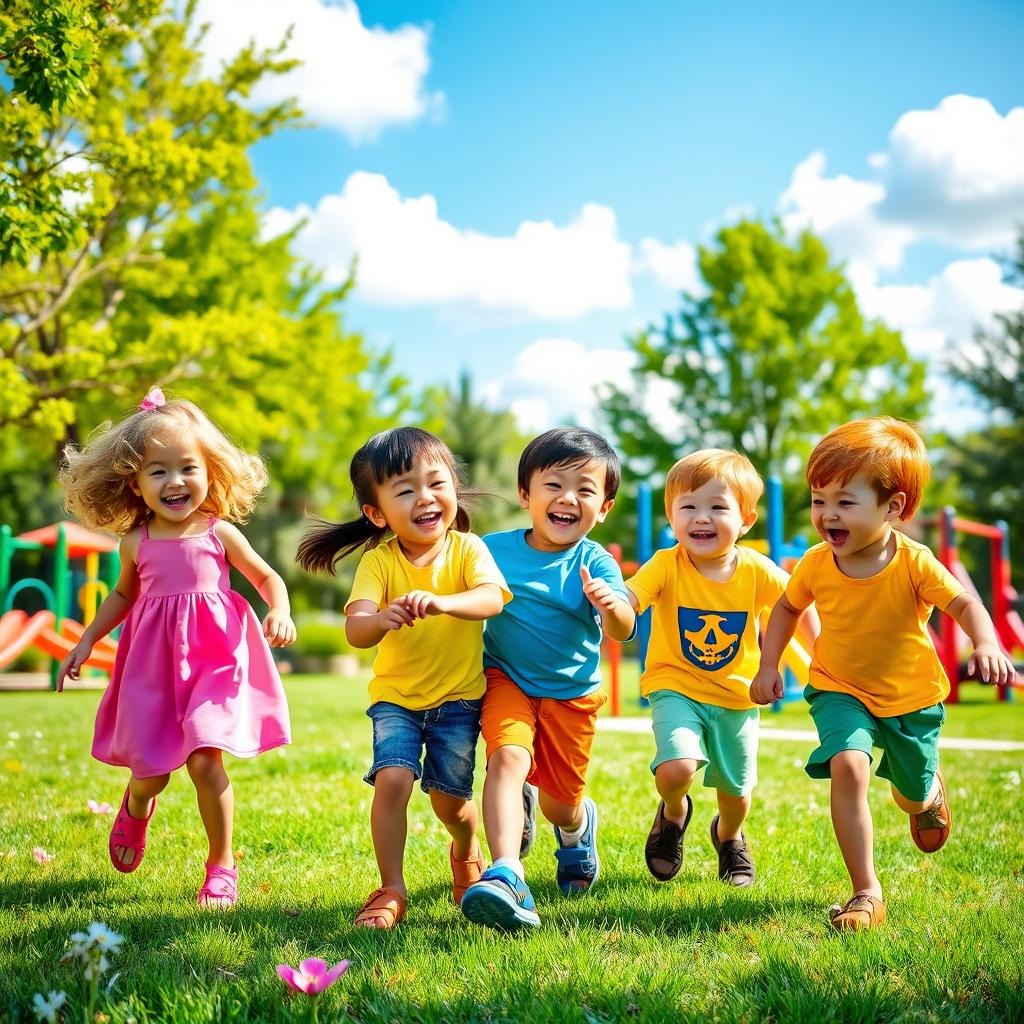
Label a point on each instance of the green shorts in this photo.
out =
(721, 738)
(909, 743)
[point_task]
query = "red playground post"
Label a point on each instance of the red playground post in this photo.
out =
(1009, 627)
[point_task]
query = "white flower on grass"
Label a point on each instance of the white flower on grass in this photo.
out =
(96, 968)
(104, 938)
(48, 1009)
(12, 735)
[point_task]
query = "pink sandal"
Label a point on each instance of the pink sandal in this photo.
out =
(220, 889)
(130, 833)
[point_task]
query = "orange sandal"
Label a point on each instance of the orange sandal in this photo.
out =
(383, 904)
(464, 872)
(860, 911)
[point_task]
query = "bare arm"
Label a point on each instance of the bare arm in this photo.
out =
(482, 602)
(278, 627)
(766, 685)
(111, 613)
(617, 615)
(987, 659)
(366, 624)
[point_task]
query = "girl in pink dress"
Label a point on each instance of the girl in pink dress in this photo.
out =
(193, 676)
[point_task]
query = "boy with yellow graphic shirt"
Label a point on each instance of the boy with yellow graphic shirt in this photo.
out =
(876, 680)
(708, 595)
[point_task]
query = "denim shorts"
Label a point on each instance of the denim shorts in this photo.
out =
(448, 733)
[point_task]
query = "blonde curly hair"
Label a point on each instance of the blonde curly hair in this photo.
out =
(97, 479)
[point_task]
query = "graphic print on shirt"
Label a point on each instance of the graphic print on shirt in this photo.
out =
(710, 639)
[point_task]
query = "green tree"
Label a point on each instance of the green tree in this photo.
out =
(988, 464)
(167, 278)
(773, 354)
(489, 444)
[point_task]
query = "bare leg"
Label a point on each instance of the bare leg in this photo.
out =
(140, 795)
(673, 780)
(851, 819)
(732, 812)
(566, 816)
(216, 801)
(389, 827)
(507, 769)
(460, 818)
(914, 806)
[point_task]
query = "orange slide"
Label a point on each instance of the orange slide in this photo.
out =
(18, 632)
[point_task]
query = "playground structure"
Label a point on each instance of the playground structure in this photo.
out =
(53, 630)
(951, 643)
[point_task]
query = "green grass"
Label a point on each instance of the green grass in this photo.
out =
(633, 949)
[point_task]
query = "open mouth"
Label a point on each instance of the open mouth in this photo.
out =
(702, 534)
(838, 537)
(175, 501)
(563, 519)
(428, 520)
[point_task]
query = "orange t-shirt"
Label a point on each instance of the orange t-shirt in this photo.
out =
(874, 641)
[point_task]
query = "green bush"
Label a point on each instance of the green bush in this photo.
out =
(322, 639)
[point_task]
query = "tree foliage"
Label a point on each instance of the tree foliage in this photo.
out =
(165, 277)
(773, 354)
(989, 465)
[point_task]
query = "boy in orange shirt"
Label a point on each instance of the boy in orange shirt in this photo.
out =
(875, 677)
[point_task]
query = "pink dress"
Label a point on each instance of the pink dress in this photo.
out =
(193, 668)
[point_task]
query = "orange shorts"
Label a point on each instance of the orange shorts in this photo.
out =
(557, 733)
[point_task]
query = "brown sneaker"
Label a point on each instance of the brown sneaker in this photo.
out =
(664, 849)
(859, 912)
(735, 864)
(930, 829)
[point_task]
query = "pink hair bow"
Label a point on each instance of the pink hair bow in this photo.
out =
(152, 401)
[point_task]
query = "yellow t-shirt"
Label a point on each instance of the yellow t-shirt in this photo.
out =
(703, 632)
(874, 641)
(439, 658)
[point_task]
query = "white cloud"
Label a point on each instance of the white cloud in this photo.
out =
(673, 266)
(408, 254)
(956, 173)
(355, 78)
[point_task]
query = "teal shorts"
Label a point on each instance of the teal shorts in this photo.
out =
(721, 738)
(909, 743)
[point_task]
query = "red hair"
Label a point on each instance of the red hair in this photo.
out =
(735, 470)
(888, 451)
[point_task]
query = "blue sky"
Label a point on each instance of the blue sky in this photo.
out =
(465, 121)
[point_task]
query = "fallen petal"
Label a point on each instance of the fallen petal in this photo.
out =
(41, 855)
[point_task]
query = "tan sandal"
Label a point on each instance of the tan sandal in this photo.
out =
(860, 911)
(931, 827)
(464, 872)
(383, 904)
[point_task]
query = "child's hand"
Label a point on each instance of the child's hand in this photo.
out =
(766, 686)
(395, 616)
(422, 603)
(991, 664)
(72, 664)
(278, 628)
(597, 591)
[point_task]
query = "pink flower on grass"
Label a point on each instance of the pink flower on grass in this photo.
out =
(41, 856)
(98, 808)
(312, 976)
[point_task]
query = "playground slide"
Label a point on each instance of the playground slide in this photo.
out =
(58, 645)
(72, 630)
(18, 632)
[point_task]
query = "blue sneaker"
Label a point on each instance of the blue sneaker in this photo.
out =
(579, 865)
(501, 899)
(529, 819)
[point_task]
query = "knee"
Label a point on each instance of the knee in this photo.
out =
(393, 784)
(676, 774)
(450, 810)
(205, 766)
(850, 766)
(509, 761)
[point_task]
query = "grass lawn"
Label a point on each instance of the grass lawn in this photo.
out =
(635, 949)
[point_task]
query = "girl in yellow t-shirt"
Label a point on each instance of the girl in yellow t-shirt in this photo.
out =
(421, 591)
(875, 678)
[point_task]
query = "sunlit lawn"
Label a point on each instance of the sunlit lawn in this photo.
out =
(691, 949)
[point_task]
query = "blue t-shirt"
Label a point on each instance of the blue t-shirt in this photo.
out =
(548, 639)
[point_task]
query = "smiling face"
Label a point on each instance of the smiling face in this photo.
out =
(565, 502)
(173, 481)
(851, 518)
(707, 522)
(418, 506)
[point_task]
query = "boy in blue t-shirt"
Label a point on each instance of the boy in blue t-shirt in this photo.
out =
(542, 658)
